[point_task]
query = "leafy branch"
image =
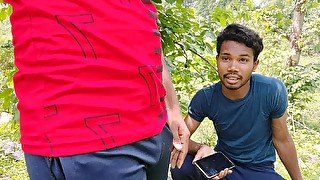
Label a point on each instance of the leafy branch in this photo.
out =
(196, 53)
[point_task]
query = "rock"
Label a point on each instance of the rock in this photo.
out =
(5, 117)
(12, 149)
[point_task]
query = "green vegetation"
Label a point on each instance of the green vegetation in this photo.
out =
(11, 159)
(189, 30)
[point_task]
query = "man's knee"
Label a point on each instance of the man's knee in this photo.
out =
(187, 172)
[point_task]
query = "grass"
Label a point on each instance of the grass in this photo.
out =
(308, 150)
(9, 166)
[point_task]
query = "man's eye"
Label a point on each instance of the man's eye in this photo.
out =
(243, 60)
(225, 58)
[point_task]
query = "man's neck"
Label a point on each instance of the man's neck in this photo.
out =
(236, 94)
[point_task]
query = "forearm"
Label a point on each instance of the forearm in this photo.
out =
(288, 155)
(193, 147)
(171, 98)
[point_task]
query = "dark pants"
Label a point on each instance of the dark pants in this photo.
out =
(145, 159)
(262, 172)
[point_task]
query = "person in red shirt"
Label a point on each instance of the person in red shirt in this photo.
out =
(94, 93)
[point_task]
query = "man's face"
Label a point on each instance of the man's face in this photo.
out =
(235, 65)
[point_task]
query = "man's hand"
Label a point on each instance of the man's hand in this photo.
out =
(181, 136)
(222, 174)
(205, 151)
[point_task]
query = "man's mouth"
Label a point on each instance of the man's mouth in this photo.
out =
(232, 78)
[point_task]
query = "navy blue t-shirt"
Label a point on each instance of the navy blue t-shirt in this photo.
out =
(243, 126)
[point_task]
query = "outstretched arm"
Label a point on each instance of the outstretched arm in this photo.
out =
(197, 149)
(201, 150)
(285, 146)
(175, 121)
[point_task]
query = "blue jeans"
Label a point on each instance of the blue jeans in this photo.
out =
(240, 172)
(145, 159)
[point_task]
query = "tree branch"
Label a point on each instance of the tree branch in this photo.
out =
(196, 53)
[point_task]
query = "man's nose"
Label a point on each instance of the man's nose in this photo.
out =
(233, 66)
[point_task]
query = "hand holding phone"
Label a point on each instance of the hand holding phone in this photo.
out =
(211, 166)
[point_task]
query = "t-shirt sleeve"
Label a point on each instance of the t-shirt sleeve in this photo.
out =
(197, 106)
(278, 99)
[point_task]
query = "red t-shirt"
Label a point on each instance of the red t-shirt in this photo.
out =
(89, 74)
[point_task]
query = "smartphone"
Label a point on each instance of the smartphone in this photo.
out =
(211, 166)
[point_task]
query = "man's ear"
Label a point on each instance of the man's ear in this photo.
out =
(255, 64)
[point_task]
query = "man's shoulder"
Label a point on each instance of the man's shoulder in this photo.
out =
(211, 88)
(262, 79)
(267, 82)
(206, 93)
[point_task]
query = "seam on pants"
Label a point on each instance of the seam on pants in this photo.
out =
(165, 132)
(49, 161)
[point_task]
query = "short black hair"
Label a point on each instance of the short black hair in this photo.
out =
(241, 34)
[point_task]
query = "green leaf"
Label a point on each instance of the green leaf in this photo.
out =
(170, 1)
(179, 2)
(5, 11)
(157, 1)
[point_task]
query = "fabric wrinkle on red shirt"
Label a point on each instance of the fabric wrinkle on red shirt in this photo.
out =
(89, 74)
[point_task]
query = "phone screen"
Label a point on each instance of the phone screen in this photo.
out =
(213, 164)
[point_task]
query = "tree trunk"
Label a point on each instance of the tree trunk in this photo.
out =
(296, 32)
